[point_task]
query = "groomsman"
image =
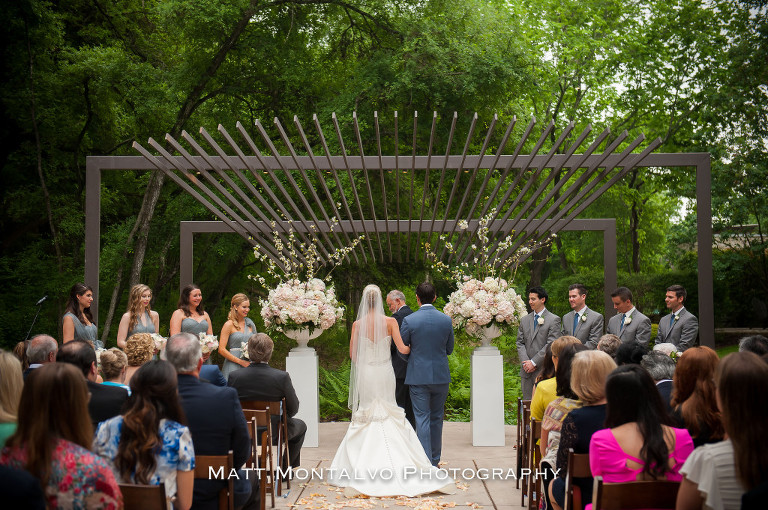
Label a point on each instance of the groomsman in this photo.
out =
(582, 322)
(400, 310)
(537, 329)
(630, 325)
(680, 327)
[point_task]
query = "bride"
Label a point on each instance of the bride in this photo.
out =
(380, 454)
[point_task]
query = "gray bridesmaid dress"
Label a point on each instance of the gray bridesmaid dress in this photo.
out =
(236, 343)
(83, 332)
(190, 325)
(149, 327)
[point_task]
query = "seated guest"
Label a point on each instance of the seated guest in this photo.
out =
(558, 409)
(53, 440)
(113, 366)
(609, 344)
(547, 369)
(214, 418)
(139, 348)
(693, 395)
(589, 370)
(667, 349)
(105, 401)
(638, 444)
(11, 384)
(40, 350)
(149, 444)
(662, 370)
(757, 344)
(20, 351)
(716, 475)
(629, 353)
(546, 389)
(259, 381)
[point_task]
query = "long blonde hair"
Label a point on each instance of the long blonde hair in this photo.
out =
(134, 303)
(12, 382)
(237, 300)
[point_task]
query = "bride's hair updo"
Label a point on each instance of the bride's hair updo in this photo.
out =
(371, 293)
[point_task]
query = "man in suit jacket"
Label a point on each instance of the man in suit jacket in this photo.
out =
(106, 401)
(630, 325)
(680, 327)
(582, 322)
(400, 310)
(429, 333)
(213, 375)
(662, 370)
(259, 381)
(537, 329)
(41, 349)
(215, 420)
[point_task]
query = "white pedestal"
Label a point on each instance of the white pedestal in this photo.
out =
(487, 398)
(303, 366)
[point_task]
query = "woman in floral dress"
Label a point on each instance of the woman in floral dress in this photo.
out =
(53, 440)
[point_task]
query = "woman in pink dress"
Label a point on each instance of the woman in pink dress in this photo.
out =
(638, 443)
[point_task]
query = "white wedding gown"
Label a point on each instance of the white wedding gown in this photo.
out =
(380, 454)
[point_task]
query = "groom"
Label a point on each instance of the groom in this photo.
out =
(429, 332)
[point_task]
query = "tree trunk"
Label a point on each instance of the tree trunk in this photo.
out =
(537, 265)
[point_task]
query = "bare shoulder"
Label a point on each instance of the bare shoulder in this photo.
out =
(154, 314)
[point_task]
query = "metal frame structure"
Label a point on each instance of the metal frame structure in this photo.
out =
(527, 197)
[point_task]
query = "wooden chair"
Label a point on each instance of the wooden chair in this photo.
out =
(660, 494)
(143, 497)
(526, 424)
(533, 483)
(261, 433)
(520, 436)
(578, 467)
(279, 437)
(203, 465)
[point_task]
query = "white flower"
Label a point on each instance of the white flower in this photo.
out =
(584, 317)
(541, 321)
(208, 342)
(627, 319)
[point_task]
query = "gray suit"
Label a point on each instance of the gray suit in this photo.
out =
(638, 330)
(588, 330)
(532, 345)
(682, 332)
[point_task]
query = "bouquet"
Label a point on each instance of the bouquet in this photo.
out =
(208, 343)
(481, 303)
(296, 305)
(159, 342)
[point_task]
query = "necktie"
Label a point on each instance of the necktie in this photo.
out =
(672, 320)
(535, 321)
(575, 321)
(623, 316)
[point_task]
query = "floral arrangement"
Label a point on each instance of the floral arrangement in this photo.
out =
(295, 304)
(160, 342)
(300, 299)
(208, 343)
(481, 303)
(484, 297)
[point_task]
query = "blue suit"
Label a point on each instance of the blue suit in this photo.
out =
(429, 333)
(213, 375)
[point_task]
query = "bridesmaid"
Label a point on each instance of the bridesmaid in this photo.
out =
(236, 332)
(140, 318)
(78, 321)
(190, 316)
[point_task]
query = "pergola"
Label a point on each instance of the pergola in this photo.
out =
(318, 188)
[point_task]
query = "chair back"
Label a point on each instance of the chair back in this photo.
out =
(261, 434)
(279, 434)
(203, 466)
(143, 497)
(525, 424)
(533, 484)
(660, 494)
(578, 467)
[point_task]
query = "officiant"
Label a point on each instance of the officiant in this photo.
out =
(400, 310)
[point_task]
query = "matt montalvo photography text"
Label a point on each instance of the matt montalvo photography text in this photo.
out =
(387, 474)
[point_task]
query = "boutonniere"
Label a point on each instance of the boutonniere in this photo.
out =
(541, 321)
(676, 317)
(584, 317)
(627, 319)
